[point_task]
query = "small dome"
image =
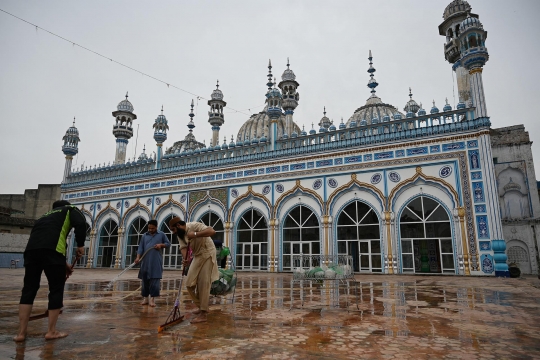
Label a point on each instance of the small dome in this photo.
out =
(246, 142)
(386, 118)
(294, 135)
(352, 124)
(342, 125)
(461, 105)
(303, 133)
(217, 95)
(273, 93)
(312, 131)
(224, 146)
(374, 107)
(288, 75)
(375, 120)
(456, 6)
(512, 186)
(232, 144)
(204, 150)
(409, 115)
(363, 122)
(197, 151)
(397, 116)
(254, 141)
(258, 124)
(285, 136)
(470, 22)
(447, 107)
(434, 109)
(125, 105)
(262, 139)
(332, 127)
(161, 119)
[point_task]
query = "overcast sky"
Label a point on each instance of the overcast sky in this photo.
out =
(45, 81)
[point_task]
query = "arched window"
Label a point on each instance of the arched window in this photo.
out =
(426, 237)
(172, 257)
(252, 241)
(108, 240)
(82, 261)
(213, 220)
(135, 232)
(301, 235)
(358, 235)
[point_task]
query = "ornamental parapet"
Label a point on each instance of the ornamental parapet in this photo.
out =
(418, 128)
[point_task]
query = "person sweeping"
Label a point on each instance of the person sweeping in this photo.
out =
(46, 252)
(203, 269)
(151, 270)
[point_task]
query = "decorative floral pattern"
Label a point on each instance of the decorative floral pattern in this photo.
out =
(183, 198)
(280, 188)
(98, 207)
(92, 207)
(158, 201)
(126, 204)
(376, 178)
(266, 189)
(445, 171)
(394, 176)
(148, 202)
(487, 263)
(234, 193)
(317, 184)
(332, 183)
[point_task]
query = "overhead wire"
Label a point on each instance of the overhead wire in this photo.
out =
(169, 85)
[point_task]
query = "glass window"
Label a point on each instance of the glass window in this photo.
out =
(301, 233)
(251, 241)
(136, 230)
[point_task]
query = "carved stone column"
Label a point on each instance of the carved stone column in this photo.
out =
(458, 241)
(461, 214)
(228, 242)
(92, 245)
(389, 261)
(119, 247)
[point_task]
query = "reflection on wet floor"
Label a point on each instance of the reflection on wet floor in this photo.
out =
(374, 317)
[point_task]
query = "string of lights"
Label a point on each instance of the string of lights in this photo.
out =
(169, 85)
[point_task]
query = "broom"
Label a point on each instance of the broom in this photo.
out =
(46, 313)
(175, 317)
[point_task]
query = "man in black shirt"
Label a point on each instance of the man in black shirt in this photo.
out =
(46, 251)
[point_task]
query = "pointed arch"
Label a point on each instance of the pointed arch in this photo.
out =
(209, 205)
(249, 194)
(135, 207)
(350, 186)
(295, 190)
(167, 204)
(107, 210)
(88, 215)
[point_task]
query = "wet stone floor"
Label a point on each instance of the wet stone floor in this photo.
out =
(378, 317)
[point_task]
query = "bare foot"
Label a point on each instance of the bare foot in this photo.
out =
(152, 302)
(20, 337)
(145, 301)
(199, 319)
(55, 335)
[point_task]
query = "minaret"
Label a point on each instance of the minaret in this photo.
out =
(372, 83)
(160, 135)
(215, 115)
(70, 148)
(474, 56)
(325, 122)
(288, 86)
(273, 103)
(454, 14)
(123, 129)
(191, 124)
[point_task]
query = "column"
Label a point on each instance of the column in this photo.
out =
(119, 248)
(461, 214)
(91, 250)
(67, 167)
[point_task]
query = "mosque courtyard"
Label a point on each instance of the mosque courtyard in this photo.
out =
(401, 317)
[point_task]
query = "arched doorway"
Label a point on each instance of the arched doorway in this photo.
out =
(108, 241)
(136, 230)
(426, 237)
(252, 241)
(518, 254)
(82, 261)
(213, 220)
(358, 235)
(172, 257)
(301, 235)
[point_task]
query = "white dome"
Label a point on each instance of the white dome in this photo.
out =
(258, 125)
(374, 108)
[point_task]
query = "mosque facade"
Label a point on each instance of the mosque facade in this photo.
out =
(412, 191)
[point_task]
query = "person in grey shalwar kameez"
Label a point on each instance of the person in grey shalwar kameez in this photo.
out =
(151, 269)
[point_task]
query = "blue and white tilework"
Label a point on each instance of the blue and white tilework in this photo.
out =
(394, 176)
(487, 263)
(317, 184)
(445, 171)
(485, 245)
(417, 151)
(332, 183)
(453, 146)
(321, 163)
(118, 205)
(353, 159)
(266, 189)
(272, 169)
(310, 165)
(285, 168)
(384, 155)
(126, 204)
(338, 161)
(474, 159)
(183, 198)
(368, 157)
(480, 208)
(435, 149)
(376, 178)
(298, 166)
(98, 207)
(472, 144)
(234, 193)
(148, 202)
(482, 225)
(400, 153)
(478, 191)
(476, 175)
(280, 188)
(158, 201)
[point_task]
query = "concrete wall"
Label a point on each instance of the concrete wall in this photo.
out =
(13, 243)
(34, 202)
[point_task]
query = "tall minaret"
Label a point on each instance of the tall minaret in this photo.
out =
(288, 86)
(215, 115)
(458, 26)
(160, 135)
(123, 129)
(273, 103)
(70, 147)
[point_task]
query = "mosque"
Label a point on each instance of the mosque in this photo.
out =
(403, 192)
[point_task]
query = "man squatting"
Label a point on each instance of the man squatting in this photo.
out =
(46, 252)
(203, 269)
